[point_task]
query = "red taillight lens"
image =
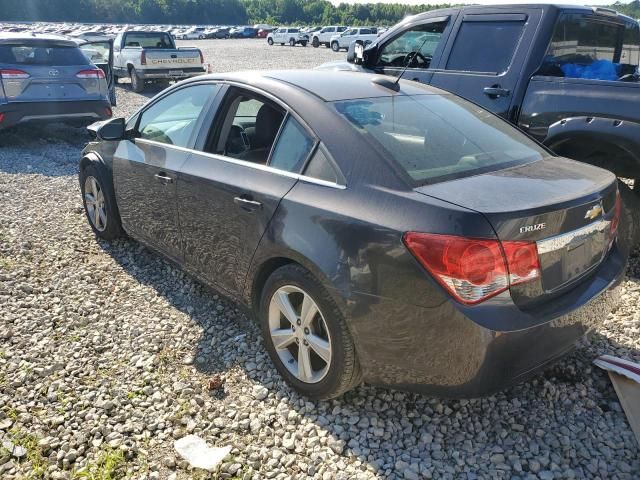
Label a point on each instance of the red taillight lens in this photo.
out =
(2, 117)
(108, 112)
(615, 221)
(472, 269)
(201, 57)
(143, 58)
(13, 74)
(97, 73)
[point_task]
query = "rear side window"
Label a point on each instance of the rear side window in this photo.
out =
(293, 147)
(438, 137)
(42, 55)
(485, 46)
(584, 46)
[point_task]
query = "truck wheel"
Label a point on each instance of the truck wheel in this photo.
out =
(292, 42)
(315, 42)
(137, 84)
(270, 41)
(335, 46)
(304, 44)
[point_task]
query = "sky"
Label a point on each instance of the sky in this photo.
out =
(481, 2)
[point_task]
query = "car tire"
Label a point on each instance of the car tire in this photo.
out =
(137, 84)
(304, 44)
(315, 42)
(270, 41)
(335, 46)
(292, 42)
(99, 201)
(327, 327)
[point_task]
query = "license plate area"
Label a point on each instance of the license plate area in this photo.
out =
(568, 257)
(176, 73)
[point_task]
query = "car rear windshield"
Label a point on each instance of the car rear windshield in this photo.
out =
(590, 47)
(21, 54)
(434, 138)
(148, 40)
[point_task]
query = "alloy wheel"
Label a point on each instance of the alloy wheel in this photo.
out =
(299, 334)
(94, 202)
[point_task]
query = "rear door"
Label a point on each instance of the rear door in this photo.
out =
(44, 71)
(101, 55)
(485, 55)
(228, 194)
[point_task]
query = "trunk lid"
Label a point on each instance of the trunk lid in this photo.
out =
(564, 206)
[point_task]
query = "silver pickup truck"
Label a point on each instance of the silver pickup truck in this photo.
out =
(147, 57)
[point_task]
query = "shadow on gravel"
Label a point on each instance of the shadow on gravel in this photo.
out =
(553, 422)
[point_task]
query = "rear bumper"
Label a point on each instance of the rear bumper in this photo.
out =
(461, 352)
(170, 73)
(66, 111)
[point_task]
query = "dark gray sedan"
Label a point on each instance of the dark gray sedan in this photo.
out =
(380, 232)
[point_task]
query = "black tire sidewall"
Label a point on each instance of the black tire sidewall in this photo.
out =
(335, 47)
(299, 277)
(137, 85)
(315, 43)
(99, 172)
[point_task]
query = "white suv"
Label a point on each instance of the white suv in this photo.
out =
(323, 37)
(292, 36)
(342, 41)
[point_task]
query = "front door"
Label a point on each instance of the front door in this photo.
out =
(484, 58)
(228, 195)
(146, 166)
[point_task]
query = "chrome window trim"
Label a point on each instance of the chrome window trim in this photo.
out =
(562, 241)
(257, 166)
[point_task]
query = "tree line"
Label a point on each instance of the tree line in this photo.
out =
(221, 12)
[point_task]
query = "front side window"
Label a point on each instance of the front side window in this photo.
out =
(587, 47)
(438, 137)
(485, 46)
(172, 119)
(341, 29)
(293, 147)
(413, 48)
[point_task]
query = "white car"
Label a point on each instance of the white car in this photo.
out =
(342, 41)
(193, 34)
(292, 36)
(323, 37)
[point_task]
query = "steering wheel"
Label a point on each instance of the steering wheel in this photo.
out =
(412, 59)
(237, 141)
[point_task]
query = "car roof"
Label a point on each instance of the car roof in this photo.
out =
(36, 39)
(329, 85)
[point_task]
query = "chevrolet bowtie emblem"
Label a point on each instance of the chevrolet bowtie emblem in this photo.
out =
(593, 212)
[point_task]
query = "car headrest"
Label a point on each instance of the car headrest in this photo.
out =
(268, 123)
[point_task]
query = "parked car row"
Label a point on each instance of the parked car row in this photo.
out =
(336, 37)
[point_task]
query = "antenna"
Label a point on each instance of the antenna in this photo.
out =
(407, 60)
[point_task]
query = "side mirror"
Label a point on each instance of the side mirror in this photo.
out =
(113, 129)
(355, 54)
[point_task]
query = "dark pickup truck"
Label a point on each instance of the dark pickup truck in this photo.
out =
(566, 75)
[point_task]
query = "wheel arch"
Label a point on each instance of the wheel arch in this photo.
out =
(90, 157)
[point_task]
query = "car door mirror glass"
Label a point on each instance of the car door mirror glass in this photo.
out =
(113, 129)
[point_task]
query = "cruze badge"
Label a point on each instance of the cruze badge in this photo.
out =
(533, 228)
(593, 212)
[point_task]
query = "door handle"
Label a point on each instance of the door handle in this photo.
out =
(496, 91)
(163, 178)
(246, 203)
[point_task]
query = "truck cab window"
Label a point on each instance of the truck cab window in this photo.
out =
(587, 47)
(414, 47)
(485, 46)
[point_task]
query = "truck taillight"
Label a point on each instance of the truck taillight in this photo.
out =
(201, 57)
(90, 73)
(473, 269)
(143, 58)
(615, 221)
(13, 74)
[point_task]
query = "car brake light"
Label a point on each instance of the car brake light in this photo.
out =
(108, 112)
(472, 269)
(97, 73)
(201, 56)
(13, 74)
(1, 117)
(615, 221)
(143, 58)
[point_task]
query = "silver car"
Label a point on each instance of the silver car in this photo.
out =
(52, 78)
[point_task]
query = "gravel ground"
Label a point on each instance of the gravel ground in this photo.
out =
(108, 354)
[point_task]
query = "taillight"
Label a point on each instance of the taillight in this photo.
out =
(615, 221)
(143, 58)
(108, 112)
(95, 74)
(13, 74)
(201, 57)
(2, 117)
(474, 269)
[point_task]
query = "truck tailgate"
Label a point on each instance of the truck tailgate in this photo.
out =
(181, 58)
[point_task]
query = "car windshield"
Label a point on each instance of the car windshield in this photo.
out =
(584, 46)
(435, 138)
(42, 54)
(149, 40)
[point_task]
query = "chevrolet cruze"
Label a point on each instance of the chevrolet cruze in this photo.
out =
(381, 231)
